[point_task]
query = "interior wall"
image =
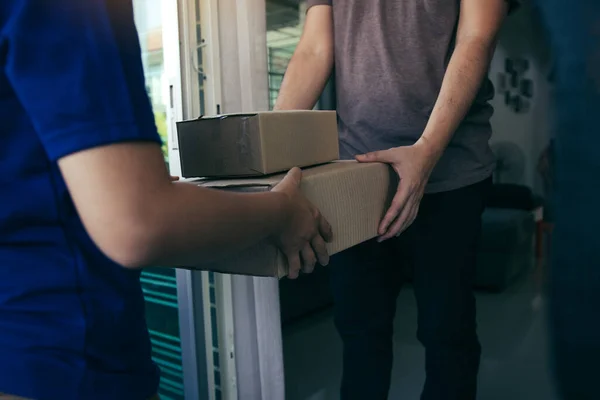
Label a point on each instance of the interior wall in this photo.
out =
(523, 37)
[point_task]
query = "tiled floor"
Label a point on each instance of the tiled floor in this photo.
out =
(512, 330)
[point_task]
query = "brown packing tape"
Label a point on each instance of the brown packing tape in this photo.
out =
(251, 145)
(243, 142)
(353, 197)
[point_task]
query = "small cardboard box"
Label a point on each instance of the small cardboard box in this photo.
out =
(353, 197)
(255, 144)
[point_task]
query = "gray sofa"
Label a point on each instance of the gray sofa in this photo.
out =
(507, 247)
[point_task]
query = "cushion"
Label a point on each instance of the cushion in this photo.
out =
(504, 229)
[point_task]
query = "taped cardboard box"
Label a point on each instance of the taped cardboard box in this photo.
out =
(353, 197)
(255, 144)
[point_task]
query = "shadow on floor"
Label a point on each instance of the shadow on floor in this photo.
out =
(512, 330)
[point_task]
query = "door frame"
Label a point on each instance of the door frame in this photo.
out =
(230, 325)
(255, 301)
(176, 30)
(206, 316)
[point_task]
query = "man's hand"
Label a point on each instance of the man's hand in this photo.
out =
(478, 26)
(303, 239)
(413, 164)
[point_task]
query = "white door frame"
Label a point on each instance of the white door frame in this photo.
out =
(206, 311)
(190, 302)
(256, 312)
(238, 351)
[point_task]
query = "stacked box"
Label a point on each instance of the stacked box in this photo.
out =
(353, 197)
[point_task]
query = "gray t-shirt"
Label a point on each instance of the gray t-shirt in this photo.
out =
(390, 60)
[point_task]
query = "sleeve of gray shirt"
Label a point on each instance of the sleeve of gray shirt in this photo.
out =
(312, 3)
(513, 4)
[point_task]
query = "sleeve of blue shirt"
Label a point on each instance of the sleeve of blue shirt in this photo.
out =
(75, 66)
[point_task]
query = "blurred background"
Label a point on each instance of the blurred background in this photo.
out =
(204, 57)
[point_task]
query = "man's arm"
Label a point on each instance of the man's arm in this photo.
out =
(478, 26)
(140, 218)
(76, 69)
(311, 64)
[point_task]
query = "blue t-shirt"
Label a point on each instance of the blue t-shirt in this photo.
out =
(72, 322)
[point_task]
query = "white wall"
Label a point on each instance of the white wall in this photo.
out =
(523, 37)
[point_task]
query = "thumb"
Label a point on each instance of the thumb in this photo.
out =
(376, 156)
(293, 177)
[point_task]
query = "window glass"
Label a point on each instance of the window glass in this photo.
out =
(284, 27)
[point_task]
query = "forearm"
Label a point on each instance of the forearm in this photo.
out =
(198, 225)
(143, 219)
(304, 80)
(466, 71)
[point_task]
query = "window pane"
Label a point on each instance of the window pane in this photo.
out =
(284, 27)
(160, 291)
(149, 24)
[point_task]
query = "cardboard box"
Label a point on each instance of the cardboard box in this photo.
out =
(255, 144)
(353, 197)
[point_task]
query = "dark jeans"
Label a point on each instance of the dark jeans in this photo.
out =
(441, 246)
(575, 274)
